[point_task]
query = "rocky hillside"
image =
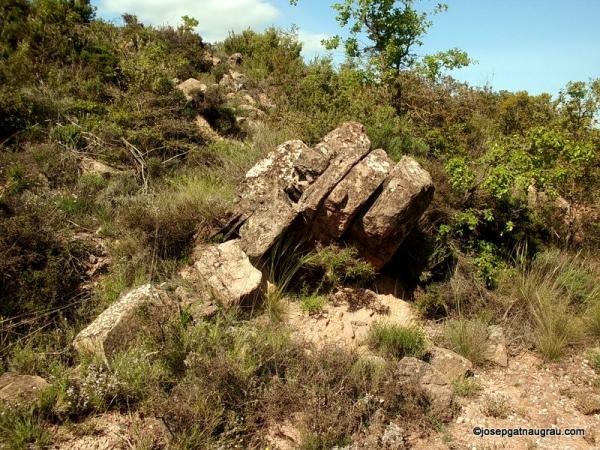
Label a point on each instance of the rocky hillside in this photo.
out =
(223, 246)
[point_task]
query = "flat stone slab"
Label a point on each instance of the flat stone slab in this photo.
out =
(226, 272)
(345, 201)
(142, 311)
(17, 389)
(406, 194)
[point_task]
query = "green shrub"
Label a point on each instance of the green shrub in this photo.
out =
(396, 340)
(21, 429)
(339, 265)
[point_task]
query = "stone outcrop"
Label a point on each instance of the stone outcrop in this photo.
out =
(16, 389)
(345, 201)
(190, 87)
(142, 311)
(338, 190)
(496, 351)
(347, 317)
(435, 386)
(450, 365)
(227, 275)
(406, 194)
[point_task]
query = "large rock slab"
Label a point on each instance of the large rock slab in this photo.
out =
(266, 199)
(17, 389)
(226, 272)
(407, 192)
(265, 226)
(346, 145)
(143, 311)
(345, 201)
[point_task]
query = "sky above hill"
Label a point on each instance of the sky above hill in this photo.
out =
(533, 45)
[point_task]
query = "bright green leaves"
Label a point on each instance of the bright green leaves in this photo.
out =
(460, 174)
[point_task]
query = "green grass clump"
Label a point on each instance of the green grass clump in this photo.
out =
(313, 304)
(397, 340)
(467, 338)
(593, 356)
(467, 387)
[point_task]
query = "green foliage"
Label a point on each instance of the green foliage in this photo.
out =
(338, 265)
(21, 429)
(460, 175)
(313, 304)
(467, 387)
(396, 340)
(393, 30)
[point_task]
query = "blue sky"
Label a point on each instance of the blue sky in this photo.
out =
(533, 45)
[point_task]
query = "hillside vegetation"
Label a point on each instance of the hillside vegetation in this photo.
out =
(510, 238)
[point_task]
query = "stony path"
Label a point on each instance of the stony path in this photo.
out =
(536, 395)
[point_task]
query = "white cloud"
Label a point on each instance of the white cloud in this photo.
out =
(216, 17)
(311, 43)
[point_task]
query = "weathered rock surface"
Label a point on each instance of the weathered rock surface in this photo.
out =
(343, 203)
(450, 365)
(335, 190)
(143, 310)
(263, 228)
(235, 59)
(206, 131)
(16, 389)
(114, 431)
(406, 194)
(346, 145)
(190, 87)
(496, 351)
(266, 198)
(347, 316)
(226, 272)
(88, 165)
(437, 388)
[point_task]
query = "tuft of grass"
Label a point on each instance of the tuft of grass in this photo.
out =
(467, 338)
(22, 429)
(338, 265)
(396, 340)
(496, 406)
(593, 355)
(467, 387)
(313, 304)
(549, 295)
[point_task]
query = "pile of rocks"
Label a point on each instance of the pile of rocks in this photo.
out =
(338, 190)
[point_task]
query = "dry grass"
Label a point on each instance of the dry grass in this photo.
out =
(468, 338)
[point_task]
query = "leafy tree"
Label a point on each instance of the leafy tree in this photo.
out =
(393, 29)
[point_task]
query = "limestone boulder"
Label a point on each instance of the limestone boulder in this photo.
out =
(266, 199)
(347, 198)
(496, 352)
(346, 146)
(141, 312)
(206, 131)
(190, 87)
(435, 386)
(406, 194)
(226, 273)
(235, 59)
(450, 365)
(17, 389)
(267, 223)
